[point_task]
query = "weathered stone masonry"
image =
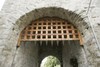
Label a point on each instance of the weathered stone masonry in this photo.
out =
(16, 15)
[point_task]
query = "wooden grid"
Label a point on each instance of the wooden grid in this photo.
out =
(50, 29)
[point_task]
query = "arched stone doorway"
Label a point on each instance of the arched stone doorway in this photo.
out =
(13, 21)
(90, 44)
(47, 50)
(50, 61)
(49, 36)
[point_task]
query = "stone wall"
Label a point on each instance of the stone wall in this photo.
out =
(16, 15)
(26, 55)
(72, 49)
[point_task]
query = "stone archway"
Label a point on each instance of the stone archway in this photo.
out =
(74, 18)
(47, 50)
(49, 36)
(52, 60)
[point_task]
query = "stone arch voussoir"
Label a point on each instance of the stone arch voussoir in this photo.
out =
(72, 17)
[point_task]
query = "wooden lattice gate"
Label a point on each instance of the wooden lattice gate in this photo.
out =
(49, 29)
